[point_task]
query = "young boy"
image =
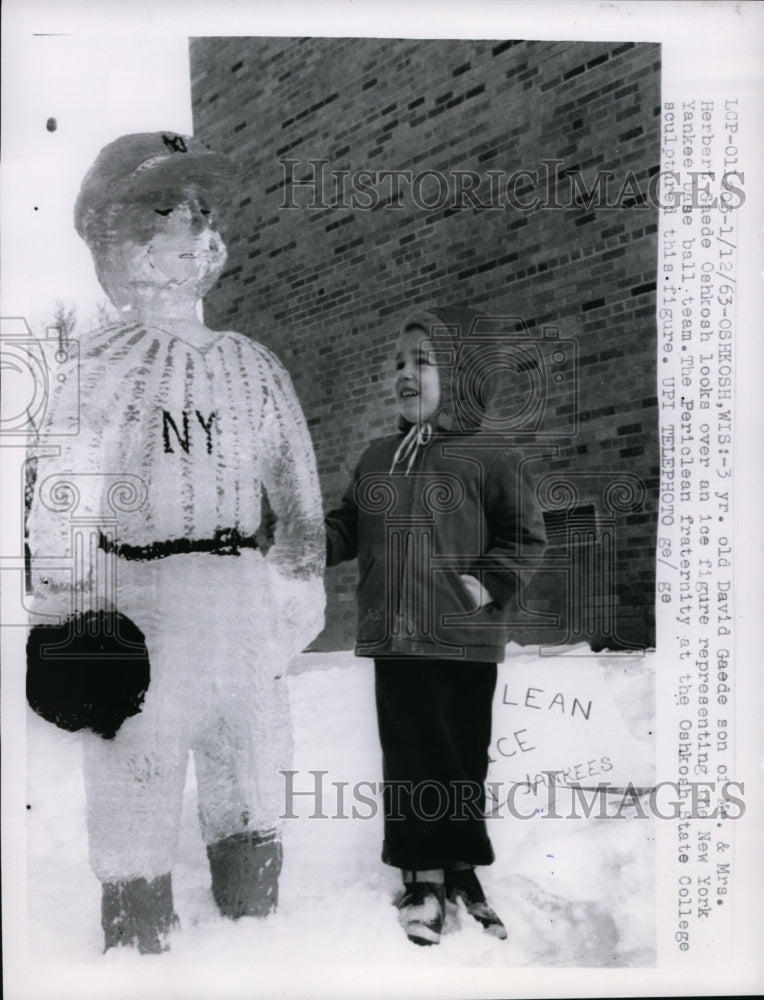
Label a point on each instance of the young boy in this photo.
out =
(445, 524)
(199, 421)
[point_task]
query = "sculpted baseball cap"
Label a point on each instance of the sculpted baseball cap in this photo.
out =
(136, 164)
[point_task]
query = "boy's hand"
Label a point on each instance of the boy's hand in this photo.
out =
(479, 594)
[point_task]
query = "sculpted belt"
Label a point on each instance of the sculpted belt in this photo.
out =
(225, 542)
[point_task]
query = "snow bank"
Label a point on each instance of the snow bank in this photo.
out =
(573, 892)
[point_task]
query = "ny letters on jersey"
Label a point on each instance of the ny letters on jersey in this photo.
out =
(185, 439)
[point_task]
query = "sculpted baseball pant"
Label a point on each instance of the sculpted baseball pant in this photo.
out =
(218, 689)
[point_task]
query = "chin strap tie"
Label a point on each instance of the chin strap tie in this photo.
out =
(418, 435)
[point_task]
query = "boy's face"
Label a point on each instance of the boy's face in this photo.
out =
(417, 382)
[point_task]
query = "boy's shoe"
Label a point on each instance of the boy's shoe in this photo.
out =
(421, 911)
(463, 883)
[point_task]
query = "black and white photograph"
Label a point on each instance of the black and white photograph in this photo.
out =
(381, 552)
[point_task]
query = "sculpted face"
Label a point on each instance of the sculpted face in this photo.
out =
(186, 246)
(164, 245)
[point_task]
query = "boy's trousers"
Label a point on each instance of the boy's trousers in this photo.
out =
(435, 729)
(218, 688)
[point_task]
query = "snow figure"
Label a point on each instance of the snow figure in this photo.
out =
(192, 425)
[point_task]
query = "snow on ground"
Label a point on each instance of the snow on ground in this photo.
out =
(572, 892)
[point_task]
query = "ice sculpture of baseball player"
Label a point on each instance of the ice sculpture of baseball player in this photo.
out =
(204, 420)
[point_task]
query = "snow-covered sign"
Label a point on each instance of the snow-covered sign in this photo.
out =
(572, 720)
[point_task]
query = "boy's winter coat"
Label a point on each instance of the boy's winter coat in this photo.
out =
(465, 506)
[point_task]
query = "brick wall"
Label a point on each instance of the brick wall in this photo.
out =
(325, 286)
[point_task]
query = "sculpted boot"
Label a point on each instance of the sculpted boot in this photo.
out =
(245, 871)
(138, 913)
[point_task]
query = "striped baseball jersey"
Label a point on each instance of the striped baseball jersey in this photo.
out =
(174, 443)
